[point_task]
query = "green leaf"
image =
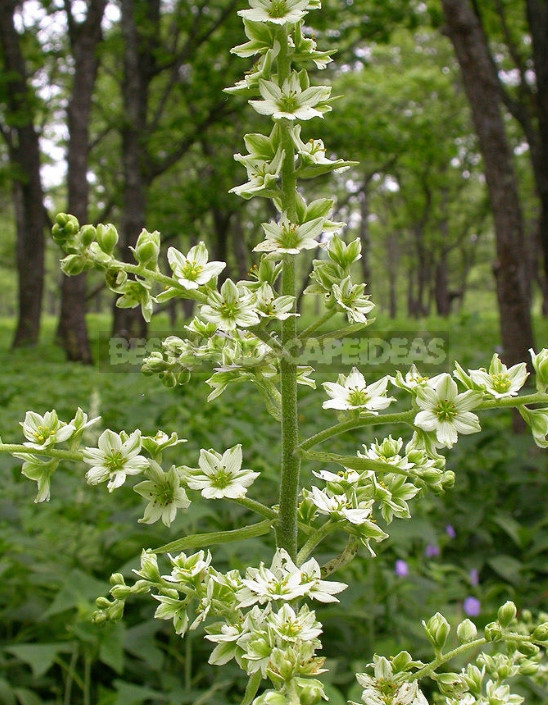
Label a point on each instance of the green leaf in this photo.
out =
(40, 657)
(27, 697)
(78, 588)
(507, 567)
(111, 649)
(216, 537)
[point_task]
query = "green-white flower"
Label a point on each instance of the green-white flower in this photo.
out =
(173, 608)
(279, 12)
(193, 270)
(537, 419)
(352, 300)
(500, 381)
(230, 308)
(219, 475)
(291, 101)
(45, 431)
(291, 626)
(313, 158)
(116, 457)
(447, 412)
(268, 305)
(385, 687)
(353, 394)
(290, 238)
(39, 469)
(164, 494)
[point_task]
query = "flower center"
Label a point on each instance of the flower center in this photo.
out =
(115, 461)
(42, 433)
(445, 410)
(289, 102)
(192, 270)
(501, 383)
(230, 309)
(164, 495)
(278, 8)
(290, 235)
(222, 478)
(357, 397)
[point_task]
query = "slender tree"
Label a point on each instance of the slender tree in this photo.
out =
(481, 86)
(84, 38)
(22, 139)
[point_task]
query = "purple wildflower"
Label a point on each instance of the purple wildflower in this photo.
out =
(431, 550)
(401, 568)
(474, 577)
(450, 531)
(471, 606)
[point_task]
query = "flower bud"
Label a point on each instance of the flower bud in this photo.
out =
(102, 603)
(528, 649)
(107, 237)
(506, 614)
(466, 631)
(437, 630)
(493, 631)
(540, 633)
(72, 265)
(148, 247)
(451, 684)
(116, 611)
(117, 579)
(528, 668)
(98, 617)
(540, 365)
(87, 235)
(120, 592)
(448, 480)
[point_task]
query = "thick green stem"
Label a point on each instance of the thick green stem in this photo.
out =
(351, 424)
(315, 538)
(353, 462)
(290, 463)
(50, 452)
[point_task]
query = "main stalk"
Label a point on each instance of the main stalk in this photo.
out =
(290, 462)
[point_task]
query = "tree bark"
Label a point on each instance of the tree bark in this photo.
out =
(84, 38)
(537, 17)
(481, 86)
(140, 28)
(24, 152)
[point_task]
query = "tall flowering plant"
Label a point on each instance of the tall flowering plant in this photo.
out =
(265, 617)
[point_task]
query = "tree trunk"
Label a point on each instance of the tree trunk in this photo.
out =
(24, 152)
(140, 21)
(84, 39)
(480, 84)
(537, 17)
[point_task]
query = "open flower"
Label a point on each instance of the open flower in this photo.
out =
(230, 308)
(44, 431)
(385, 687)
(193, 270)
(275, 11)
(352, 300)
(289, 238)
(352, 393)
(116, 457)
(290, 625)
(220, 475)
(500, 381)
(447, 412)
(164, 494)
(291, 101)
